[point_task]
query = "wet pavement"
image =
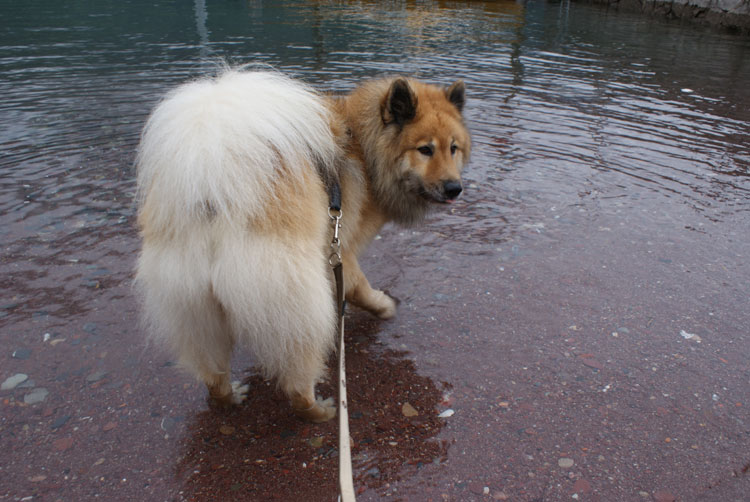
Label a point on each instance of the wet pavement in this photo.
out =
(576, 327)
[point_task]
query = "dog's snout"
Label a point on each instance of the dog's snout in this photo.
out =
(452, 189)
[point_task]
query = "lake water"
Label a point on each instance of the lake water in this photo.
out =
(585, 301)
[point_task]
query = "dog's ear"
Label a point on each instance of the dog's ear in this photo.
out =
(456, 94)
(400, 104)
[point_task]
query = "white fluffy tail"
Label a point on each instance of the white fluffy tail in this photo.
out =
(219, 144)
(221, 162)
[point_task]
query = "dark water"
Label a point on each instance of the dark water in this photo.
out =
(606, 219)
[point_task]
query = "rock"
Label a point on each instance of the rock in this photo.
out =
(96, 376)
(38, 478)
(408, 410)
(588, 360)
(60, 421)
(21, 353)
(62, 444)
(447, 413)
(227, 430)
(316, 442)
(500, 496)
(36, 396)
(373, 472)
(167, 424)
(109, 426)
(13, 381)
(689, 336)
(664, 496)
(565, 463)
(582, 486)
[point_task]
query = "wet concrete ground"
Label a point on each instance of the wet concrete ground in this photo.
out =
(579, 317)
(586, 357)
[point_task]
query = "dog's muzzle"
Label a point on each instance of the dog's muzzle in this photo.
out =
(452, 189)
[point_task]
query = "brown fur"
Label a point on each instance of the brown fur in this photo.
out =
(210, 271)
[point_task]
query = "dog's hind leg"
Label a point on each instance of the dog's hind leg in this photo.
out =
(205, 345)
(184, 313)
(306, 338)
(298, 382)
(221, 389)
(279, 302)
(212, 364)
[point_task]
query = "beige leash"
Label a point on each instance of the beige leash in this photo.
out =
(346, 481)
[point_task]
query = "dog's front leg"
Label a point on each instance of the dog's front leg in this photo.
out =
(360, 293)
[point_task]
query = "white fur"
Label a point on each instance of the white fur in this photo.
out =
(239, 392)
(212, 156)
(223, 140)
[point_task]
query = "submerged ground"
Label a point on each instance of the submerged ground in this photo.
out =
(582, 311)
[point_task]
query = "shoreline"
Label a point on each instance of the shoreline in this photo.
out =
(730, 15)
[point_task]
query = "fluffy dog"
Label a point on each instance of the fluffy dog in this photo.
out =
(232, 193)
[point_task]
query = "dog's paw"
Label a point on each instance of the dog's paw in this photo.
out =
(388, 306)
(322, 410)
(239, 392)
(327, 403)
(236, 395)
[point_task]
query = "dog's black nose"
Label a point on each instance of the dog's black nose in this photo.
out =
(452, 189)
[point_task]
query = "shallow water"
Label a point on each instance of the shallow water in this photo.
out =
(604, 222)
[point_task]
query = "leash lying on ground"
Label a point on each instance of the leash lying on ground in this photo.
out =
(346, 482)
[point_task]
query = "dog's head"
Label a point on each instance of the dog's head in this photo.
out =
(431, 140)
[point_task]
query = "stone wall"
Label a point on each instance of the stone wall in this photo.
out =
(733, 15)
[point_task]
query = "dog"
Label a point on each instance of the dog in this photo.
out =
(233, 174)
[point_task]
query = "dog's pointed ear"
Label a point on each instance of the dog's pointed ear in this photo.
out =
(456, 94)
(400, 104)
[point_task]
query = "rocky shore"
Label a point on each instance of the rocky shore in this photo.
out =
(733, 15)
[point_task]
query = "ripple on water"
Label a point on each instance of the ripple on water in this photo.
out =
(555, 121)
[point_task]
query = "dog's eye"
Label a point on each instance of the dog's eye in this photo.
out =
(425, 150)
(453, 149)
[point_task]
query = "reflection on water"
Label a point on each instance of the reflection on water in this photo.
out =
(582, 119)
(232, 454)
(579, 97)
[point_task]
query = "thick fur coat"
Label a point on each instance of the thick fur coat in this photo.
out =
(233, 214)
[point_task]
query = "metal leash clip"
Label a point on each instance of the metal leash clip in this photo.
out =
(335, 257)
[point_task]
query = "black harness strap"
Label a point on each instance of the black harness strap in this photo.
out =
(331, 181)
(334, 195)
